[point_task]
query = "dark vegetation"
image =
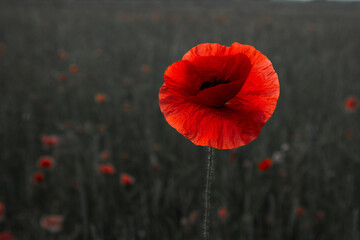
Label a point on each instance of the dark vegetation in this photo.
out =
(122, 50)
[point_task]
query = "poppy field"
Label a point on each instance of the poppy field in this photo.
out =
(86, 152)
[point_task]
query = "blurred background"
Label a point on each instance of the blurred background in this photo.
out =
(85, 152)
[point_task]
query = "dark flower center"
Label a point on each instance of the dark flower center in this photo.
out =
(213, 83)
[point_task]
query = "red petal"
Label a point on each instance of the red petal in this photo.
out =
(204, 50)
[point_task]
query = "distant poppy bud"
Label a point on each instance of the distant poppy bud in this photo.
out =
(145, 68)
(126, 179)
(222, 213)
(351, 103)
(105, 155)
(101, 128)
(52, 223)
(62, 54)
(193, 216)
(45, 162)
(97, 52)
(126, 108)
(74, 68)
(2, 211)
(49, 141)
(265, 164)
(319, 215)
(157, 167)
(106, 169)
(7, 236)
(38, 177)
(100, 97)
(63, 78)
(219, 96)
(300, 211)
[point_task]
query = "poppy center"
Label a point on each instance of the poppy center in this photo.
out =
(213, 83)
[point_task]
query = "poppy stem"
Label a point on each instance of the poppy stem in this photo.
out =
(209, 176)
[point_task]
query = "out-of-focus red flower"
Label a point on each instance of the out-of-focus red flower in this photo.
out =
(7, 236)
(220, 96)
(145, 68)
(2, 211)
(62, 54)
(157, 147)
(193, 216)
(98, 52)
(351, 103)
(105, 155)
(126, 179)
(63, 77)
(319, 216)
(106, 169)
(222, 212)
(125, 155)
(49, 141)
(349, 134)
(74, 69)
(126, 108)
(45, 162)
(265, 164)
(300, 211)
(52, 223)
(101, 128)
(157, 167)
(100, 97)
(38, 177)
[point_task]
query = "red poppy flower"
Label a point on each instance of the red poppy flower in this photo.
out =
(100, 97)
(49, 141)
(45, 162)
(63, 78)
(105, 155)
(52, 223)
(126, 179)
(351, 103)
(38, 177)
(265, 164)
(220, 96)
(222, 213)
(6, 236)
(106, 169)
(300, 211)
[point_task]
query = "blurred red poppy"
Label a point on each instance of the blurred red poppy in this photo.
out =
(220, 96)
(105, 155)
(106, 169)
(222, 213)
(265, 164)
(74, 69)
(52, 223)
(7, 236)
(126, 179)
(100, 97)
(63, 77)
(38, 177)
(300, 211)
(49, 141)
(351, 103)
(62, 54)
(45, 162)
